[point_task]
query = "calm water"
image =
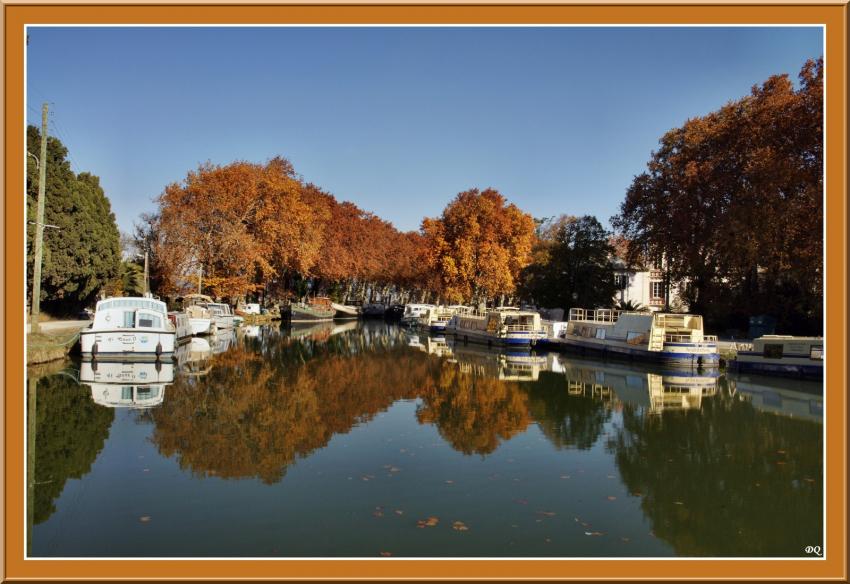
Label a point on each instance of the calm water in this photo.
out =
(367, 440)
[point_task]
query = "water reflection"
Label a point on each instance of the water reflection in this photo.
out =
(715, 471)
(127, 385)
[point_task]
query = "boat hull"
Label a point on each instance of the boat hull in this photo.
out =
(510, 339)
(302, 314)
(673, 354)
(126, 341)
(804, 370)
(200, 326)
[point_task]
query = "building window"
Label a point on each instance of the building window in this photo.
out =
(621, 281)
(656, 290)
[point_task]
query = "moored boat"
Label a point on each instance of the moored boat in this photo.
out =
(505, 325)
(782, 355)
(436, 318)
(345, 311)
(129, 326)
(182, 327)
(669, 338)
(318, 309)
(413, 312)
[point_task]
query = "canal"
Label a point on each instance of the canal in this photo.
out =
(367, 440)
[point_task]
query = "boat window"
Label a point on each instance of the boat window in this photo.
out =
(150, 321)
(816, 353)
(127, 392)
(600, 333)
(129, 319)
(773, 351)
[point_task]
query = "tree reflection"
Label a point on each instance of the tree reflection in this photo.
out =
(568, 421)
(726, 480)
(253, 416)
(70, 433)
(472, 410)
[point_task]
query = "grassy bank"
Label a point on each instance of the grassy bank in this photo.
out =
(50, 346)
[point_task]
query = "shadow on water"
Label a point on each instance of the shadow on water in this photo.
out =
(720, 466)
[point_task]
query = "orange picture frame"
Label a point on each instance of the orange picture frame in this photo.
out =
(832, 16)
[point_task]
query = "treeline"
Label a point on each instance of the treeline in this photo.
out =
(733, 203)
(730, 207)
(247, 229)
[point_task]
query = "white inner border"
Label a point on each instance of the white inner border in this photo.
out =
(408, 25)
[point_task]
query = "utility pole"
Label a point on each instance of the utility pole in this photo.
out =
(147, 287)
(39, 224)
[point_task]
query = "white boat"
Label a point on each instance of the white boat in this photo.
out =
(413, 312)
(436, 318)
(782, 355)
(127, 385)
(128, 325)
(224, 340)
(182, 326)
(671, 339)
(506, 326)
(345, 311)
(221, 315)
(505, 364)
(200, 319)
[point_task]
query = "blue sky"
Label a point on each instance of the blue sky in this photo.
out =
(396, 120)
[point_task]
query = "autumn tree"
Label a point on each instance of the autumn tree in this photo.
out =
(475, 250)
(733, 203)
(241, 224)
(572, 265)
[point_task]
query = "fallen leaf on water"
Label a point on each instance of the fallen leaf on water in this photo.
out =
(402, 450)
(378, 513)
(678, 503)
(565, 476)
(595, 533)
(387, 466)
(547, 540)
(808, 480)
(364, 478)
(780, 462)
(146, 470)
(625, 539)
(521, 501)
(145, 518)
(399, 512)
(395, 469)
(583, 524)
(780, 452)
(450, 482)
(430, 522)
(459, 526)
(546, 513)
(386, 554)
(610, 476)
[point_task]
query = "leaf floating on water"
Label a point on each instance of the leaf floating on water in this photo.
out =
(378, 513)
(678, 503)
(459, 526)
(611, 476)
(399, 512)
(394, 469)
(780, 462)
(584, 524)
(612, 498)
(546, 513)
(386, 554)
(565, 476)
(547, 540)
(625, 539)
(780, 452)
(430, 522)
(594, 533)
(809, 480)
(145, 518)
(450, 482)
(146, 470)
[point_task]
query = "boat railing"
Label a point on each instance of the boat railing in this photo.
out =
(677, 338)
(525, 328)
(603, 315)
(709, 338)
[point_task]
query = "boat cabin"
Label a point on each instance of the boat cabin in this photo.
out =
(652, 329)
(130, 313)
(785, 346)
(513, 320)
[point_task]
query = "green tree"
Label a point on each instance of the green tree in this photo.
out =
(83, 255)
(573, 265)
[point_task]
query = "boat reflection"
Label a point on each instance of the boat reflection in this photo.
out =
(223, 340)
(193, 358)
(127, 385)
(656, 390)
(787, 397)
(499, 363)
